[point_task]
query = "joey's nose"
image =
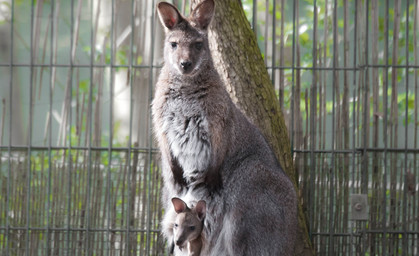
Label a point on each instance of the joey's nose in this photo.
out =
(185, 65)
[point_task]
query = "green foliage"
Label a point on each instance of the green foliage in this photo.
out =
(305, 41)
(409, 100)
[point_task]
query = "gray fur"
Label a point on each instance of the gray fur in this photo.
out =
(210, 150)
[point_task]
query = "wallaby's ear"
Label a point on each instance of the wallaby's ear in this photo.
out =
(179, 205)
(201, 209)
(203, 13)
(168, 14)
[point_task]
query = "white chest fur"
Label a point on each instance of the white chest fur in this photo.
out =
(187, 131)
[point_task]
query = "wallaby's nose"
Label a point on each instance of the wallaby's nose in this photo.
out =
(185, 65)
(179, 242)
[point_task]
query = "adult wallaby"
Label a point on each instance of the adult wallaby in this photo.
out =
(188, 225)
(211, 151)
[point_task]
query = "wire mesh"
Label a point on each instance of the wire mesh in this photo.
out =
(79, 168)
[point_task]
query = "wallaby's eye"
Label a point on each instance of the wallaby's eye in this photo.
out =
(198, 45)
(192, 228)
(176, 225)
(173, 44)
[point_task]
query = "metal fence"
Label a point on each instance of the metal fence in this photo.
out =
(79, 170)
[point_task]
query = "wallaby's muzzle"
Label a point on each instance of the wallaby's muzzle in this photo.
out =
(186, 65)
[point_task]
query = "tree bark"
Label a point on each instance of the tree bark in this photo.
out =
(239, 62)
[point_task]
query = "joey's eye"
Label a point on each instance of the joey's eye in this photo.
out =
(192, 228)
(176, 225)
(198, 45)
(173, 44)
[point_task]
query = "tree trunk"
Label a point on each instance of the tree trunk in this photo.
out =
(239, 62)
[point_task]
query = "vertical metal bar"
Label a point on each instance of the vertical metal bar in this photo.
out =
(332, 171)
(364, 187)
(112, 76)
(48, 236)
(9, 146)
(406, 134)
(292, 133)
(266, 34)
(365, 126)
(254, 17)
(415, 237)
(313, 106)
(29, 149)
(150, 143)
(128, 229)
(282, 61)
(273, 43)
(385, 130)
(69, 197)
(354, 113)
(90, 130)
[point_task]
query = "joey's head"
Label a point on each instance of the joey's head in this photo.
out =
(189, 222)
(186, 48)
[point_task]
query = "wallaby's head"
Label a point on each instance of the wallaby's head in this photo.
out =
(189, 222)
(186, 46)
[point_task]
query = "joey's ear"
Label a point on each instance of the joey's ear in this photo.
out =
(203, 13)
(168, 14)
(201, 209)
(179, 205)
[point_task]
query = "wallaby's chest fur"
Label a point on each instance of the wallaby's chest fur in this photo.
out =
(185, 124)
